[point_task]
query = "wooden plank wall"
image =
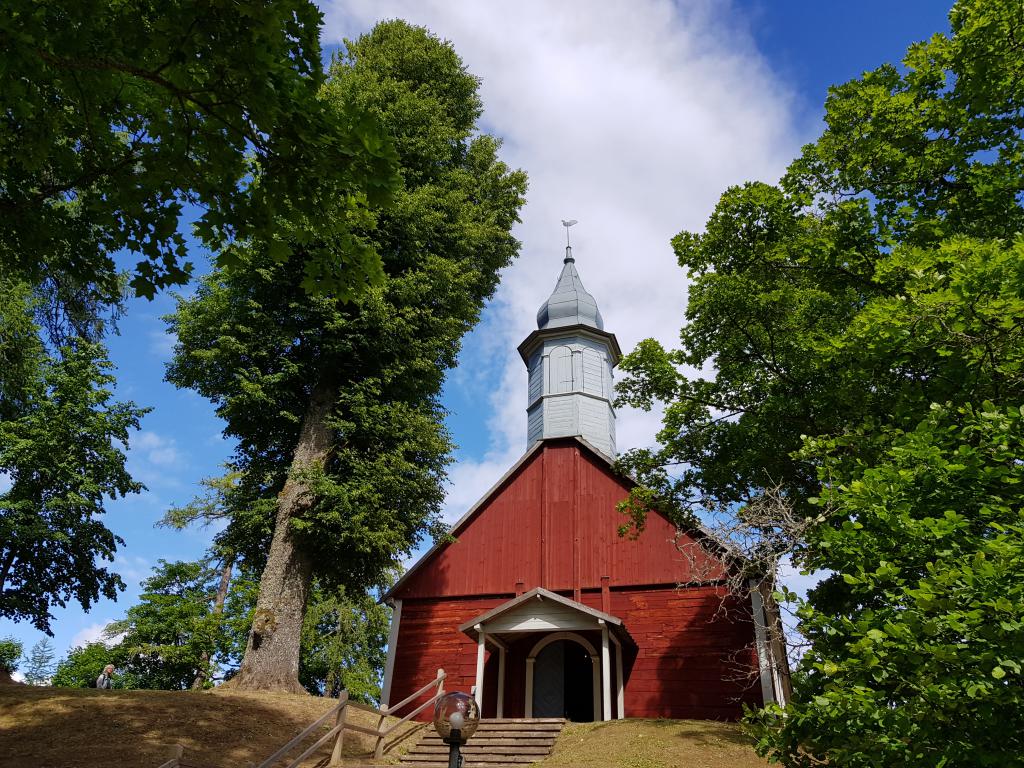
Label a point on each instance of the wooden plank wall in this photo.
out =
(554, 525)
(694, 656)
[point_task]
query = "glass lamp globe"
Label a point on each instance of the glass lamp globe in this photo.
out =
(456, 711)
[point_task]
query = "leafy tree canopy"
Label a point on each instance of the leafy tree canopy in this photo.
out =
(10, 654)
(61, 438)
(789, 282)
(917, 646)
(177, 635)
(39, 664)
(117, 115)
(335, 406)
(170, 636)
(82, 665)
(854, 337)
(344, 645)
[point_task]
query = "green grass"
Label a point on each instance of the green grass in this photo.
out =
(654, 744)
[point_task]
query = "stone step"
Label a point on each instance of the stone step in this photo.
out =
(416, 759)
(497, 743)
(495, 749)
(478, 742)
(545, 736)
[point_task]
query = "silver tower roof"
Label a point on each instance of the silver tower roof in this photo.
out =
(569, 304)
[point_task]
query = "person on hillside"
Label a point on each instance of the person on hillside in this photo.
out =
(106, 678)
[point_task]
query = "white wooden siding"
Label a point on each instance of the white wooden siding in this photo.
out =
(537, 616)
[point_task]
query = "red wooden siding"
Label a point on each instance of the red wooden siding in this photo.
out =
(695, 653)
(693, 659)
(553, 524)
(429, 640)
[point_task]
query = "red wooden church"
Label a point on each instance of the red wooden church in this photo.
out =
(540, 608)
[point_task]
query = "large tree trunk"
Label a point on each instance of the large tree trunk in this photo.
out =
(271, 661)
(218, 608)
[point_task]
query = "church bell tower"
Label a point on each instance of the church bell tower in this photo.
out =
(570, 358)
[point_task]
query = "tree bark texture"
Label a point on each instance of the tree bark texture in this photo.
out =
(271, 661)
(218, 609)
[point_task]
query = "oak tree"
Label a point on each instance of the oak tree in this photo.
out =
(115, 116)
(61, 452)
(336, 405)
(854, 338)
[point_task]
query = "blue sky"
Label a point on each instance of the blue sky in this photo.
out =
(631, 118)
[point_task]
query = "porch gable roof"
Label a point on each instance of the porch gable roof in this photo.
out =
(540, 610)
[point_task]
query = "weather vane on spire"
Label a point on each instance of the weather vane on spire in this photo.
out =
(568, 224)
(568, 248)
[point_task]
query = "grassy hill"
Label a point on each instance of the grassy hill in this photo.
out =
(653, 744)
(84, 728)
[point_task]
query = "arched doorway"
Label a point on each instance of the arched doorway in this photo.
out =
(563, 678)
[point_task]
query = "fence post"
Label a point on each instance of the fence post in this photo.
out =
(174, 752)
(339, 722)
(378, 748)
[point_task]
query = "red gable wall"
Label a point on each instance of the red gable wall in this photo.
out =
(553, 524)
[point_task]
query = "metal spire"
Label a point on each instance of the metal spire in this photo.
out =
(568, 248)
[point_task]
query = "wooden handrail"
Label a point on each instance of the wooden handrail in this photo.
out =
(412, 697)
(175, 752)
(337, 732)
(336, 710)
(437, 682)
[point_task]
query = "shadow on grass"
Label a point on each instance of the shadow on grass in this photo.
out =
(706, 732)
(80, 728)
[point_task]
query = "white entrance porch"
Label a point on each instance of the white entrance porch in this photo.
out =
(560, 651)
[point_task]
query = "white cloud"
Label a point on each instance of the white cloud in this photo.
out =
(156, 449)
(630, 117)
(5, 482)
(90, 634)
(791, 577)
(161, 343)
(132, 568)
(155, 461)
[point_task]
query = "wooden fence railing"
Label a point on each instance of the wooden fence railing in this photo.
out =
(175, 751)
(337, 731)
(437, 682)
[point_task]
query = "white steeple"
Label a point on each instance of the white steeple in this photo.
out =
(570, 358)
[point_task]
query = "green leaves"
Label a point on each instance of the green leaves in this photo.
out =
(172, 635)
(61, 446)
(256, 338)
(931, 636)
(116, 116)
(857, 336)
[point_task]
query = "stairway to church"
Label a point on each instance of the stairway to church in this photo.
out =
(497, 743)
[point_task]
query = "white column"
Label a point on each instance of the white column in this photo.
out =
(529, 687)
(761, 638)
(501, 682)
(620, 686)
(389, 666)
(480, 651)
(606, 675)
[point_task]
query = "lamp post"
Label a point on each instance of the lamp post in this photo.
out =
(456, 717)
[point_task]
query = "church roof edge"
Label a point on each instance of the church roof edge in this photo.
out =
(724, 547)
(565, 330)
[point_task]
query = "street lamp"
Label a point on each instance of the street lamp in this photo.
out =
(456, 717)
